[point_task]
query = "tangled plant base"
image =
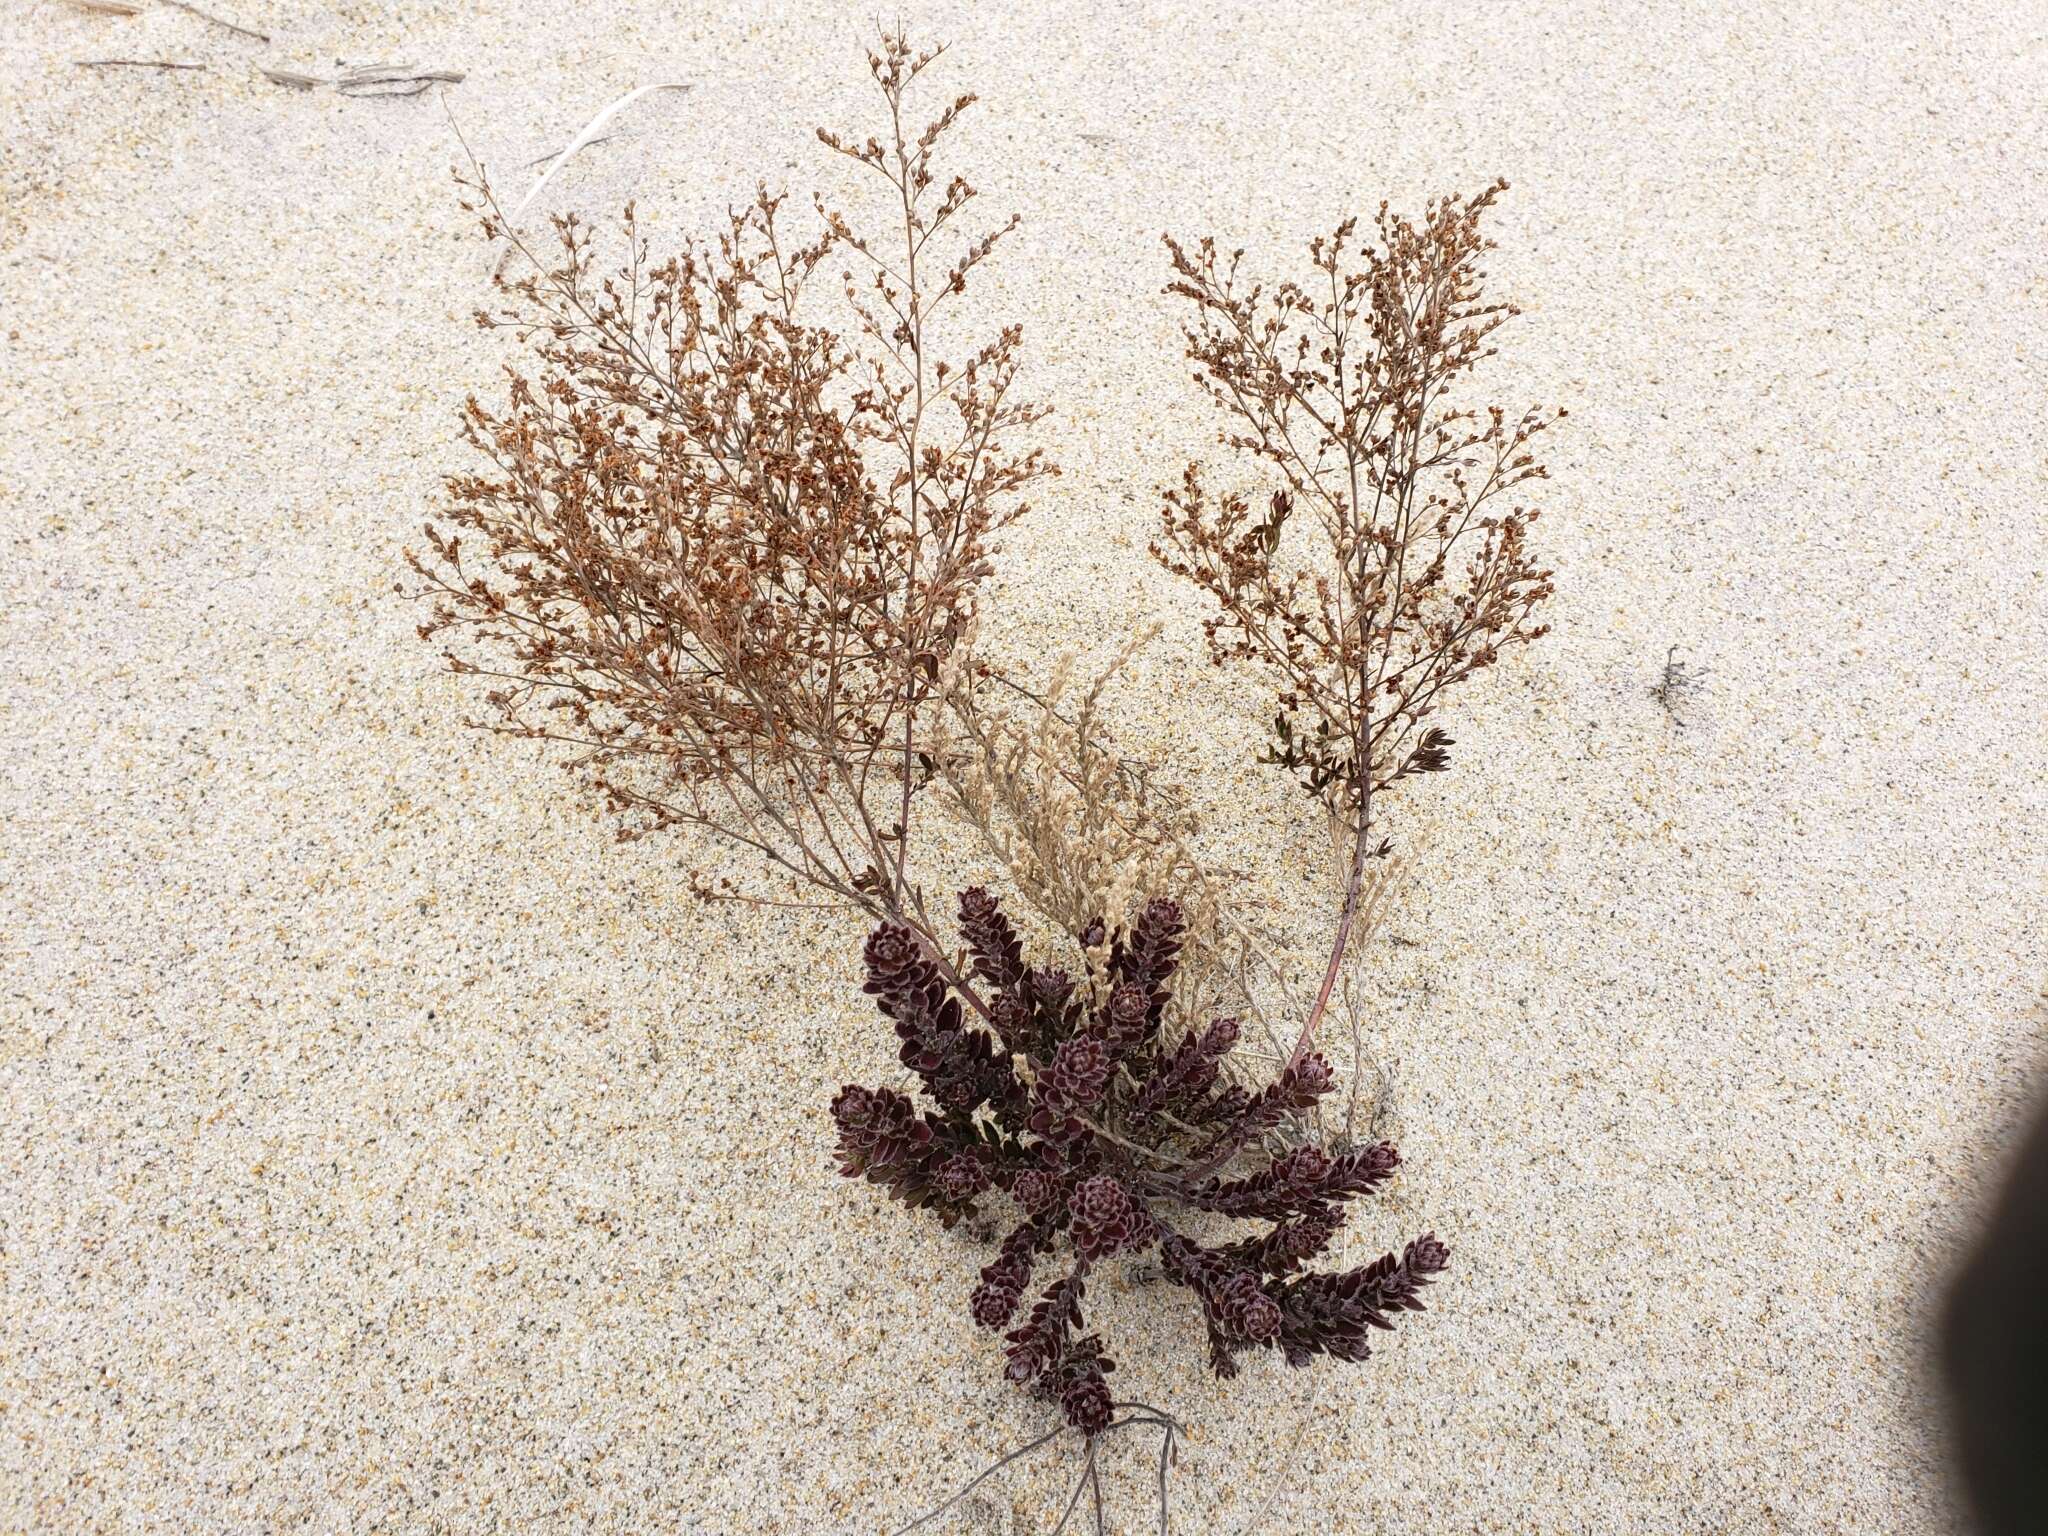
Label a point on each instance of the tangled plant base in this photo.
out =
(1061, 1093)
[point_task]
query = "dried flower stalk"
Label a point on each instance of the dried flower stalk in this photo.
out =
(1341, 584)
(723, 552)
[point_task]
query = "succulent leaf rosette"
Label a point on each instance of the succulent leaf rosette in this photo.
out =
(1107, 1140)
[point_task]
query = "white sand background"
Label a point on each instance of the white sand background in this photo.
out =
(381, 1148)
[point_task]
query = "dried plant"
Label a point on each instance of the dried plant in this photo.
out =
(1083, 831)
(1340, 581)
(722, 551)
(1062, 1093)
(733, 558)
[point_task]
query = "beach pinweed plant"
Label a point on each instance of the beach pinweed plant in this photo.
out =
(731, 553)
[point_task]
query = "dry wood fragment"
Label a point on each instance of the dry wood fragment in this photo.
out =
(393, 80)
(137, 64)
(368, 79)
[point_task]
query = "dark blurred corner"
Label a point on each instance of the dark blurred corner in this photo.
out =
(1995, 1353)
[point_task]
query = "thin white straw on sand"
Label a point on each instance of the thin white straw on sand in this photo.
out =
(590, 131)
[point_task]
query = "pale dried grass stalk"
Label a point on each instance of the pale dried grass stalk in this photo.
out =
(589, 136)
(1086, 834)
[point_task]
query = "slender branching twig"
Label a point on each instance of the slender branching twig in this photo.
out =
(722, 553)
(1678, 682)
(1340, 582)
(1090, 1480)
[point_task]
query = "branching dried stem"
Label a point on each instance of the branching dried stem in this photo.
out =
(722, 553)
(1132, 1416)
(1340, 582)
(1676, 684)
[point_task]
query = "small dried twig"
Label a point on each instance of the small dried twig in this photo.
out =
(369, 79)
(1678, 683)
(393, 80)
(1090, 1478)
(218, 21)
(554, 154)
(106, 7)
(586, 138)
(1140, 1415)
(1287, 1460)
(986, 1473)
(137, 64)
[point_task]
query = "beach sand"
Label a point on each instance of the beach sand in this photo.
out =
(385, 1149)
